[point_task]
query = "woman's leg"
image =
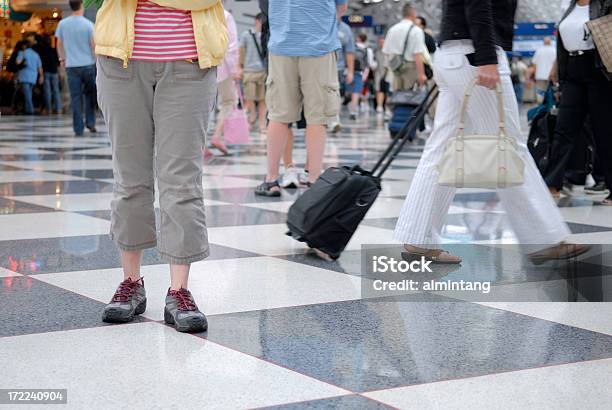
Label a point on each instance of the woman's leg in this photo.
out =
(533, 215)
(227, 102)
(125, 97)
(184, 96)
(600, 107)
(570, 121)
(183, 99)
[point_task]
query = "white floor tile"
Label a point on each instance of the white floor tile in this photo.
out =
(71, 202)
(50, 225)
(150, 366)
(220, 181)
(583, 385)
(63, 165)
(269, 240)
(5, 273)
(590, 215)
(237, 169)
(30, 176)
(19, 150)
(224, 286)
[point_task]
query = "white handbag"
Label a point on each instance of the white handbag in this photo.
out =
(481, 161)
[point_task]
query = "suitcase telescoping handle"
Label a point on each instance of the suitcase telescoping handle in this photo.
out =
(402, 136)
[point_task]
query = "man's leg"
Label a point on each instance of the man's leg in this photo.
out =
(278, 133)
(47, 88)
(55, 91)
(315, 148)
(283, 98)
(89, 89)
(27, 95)
(356, 87)
(320, 87)
(76, 101)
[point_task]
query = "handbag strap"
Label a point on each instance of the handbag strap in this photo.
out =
(406, 42)
(500, 108)
(459, 144)
(259, 51)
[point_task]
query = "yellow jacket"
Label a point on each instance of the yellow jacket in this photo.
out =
(114, 31)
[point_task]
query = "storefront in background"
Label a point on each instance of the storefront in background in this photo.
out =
(16, 25)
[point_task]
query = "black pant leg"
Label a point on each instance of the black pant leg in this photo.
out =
(600, 108)
(572, 113)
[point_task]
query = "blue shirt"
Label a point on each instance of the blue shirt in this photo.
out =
(345, 34)
(76, 32)
(303, 28)
(29, 74)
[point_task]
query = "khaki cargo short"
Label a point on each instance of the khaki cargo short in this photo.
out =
(254, 84)
(308, 82)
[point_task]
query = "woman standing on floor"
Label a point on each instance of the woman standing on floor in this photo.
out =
(474, 36)
(156, 87)
(227, 73)
(586, 91)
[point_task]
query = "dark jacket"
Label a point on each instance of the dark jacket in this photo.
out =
(488, 23)
(598, 8)
(48, 56)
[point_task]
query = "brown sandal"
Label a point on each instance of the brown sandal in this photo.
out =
(434, 255)
(562, 251)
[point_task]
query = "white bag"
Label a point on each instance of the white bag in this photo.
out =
(481, 161)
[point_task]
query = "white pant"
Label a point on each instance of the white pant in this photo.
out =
(533, 214)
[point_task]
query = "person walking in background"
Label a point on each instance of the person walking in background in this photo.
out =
(302, 73)
(253, 74)
(75, 47)
(586, 91)
(346, 65)
(51, 85)
(30, 74)
(407, 40)
(364, 64)
(518, 74)
(474, 37)
(430, 41)
(381, 85)
(156, 91)
(543, 62)
(227, 76)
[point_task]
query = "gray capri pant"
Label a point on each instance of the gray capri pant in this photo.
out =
(157, 114)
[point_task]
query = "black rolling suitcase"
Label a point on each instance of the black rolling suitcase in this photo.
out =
(327, 214)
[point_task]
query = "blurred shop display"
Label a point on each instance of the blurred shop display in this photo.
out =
(21, 20)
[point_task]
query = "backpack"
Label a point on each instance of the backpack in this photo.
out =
(361, 59)
(11, 65)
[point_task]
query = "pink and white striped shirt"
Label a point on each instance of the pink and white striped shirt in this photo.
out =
(163, 33)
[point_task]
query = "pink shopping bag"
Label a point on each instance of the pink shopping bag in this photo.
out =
(236, 125)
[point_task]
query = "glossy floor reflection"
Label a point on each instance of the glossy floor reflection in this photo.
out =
(287, 329)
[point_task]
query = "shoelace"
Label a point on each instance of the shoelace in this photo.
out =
(125, 290)
(184, 299)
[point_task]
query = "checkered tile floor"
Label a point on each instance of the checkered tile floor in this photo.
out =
(287, 330)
